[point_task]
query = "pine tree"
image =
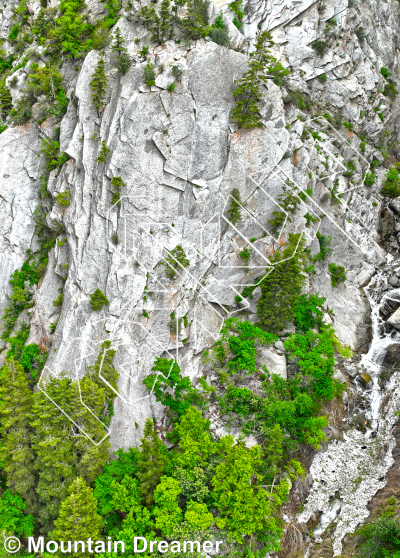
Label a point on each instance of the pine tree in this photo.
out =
(99, 83)
(122, 60)
(55, 453)
(15, 451)
(152, 462)
(78, 519)
(248, 93)
(91, 454)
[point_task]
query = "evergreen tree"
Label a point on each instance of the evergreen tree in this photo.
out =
(281, 289)
(78, 519)
(122, 58)
(248, 93)
(99, 83)
(15, 452)
(55, 453)
(195, 24)
(152, 462)
(91, 455)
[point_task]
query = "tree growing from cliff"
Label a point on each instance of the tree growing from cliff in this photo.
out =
(234, 214)
(122, 61)
(98, 83)
(248, 92)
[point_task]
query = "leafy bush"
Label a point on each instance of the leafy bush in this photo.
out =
(381, 538)
(220, 36)
(385, 72)
(70, 35)
(117, 184)
(391, 188)
(171, 389)
(234, 214)
(369, 179)
(338, 274)
(360, 34)
(390, 90)
(97, 300)
(149, 75)
(59, 300)
(63, 198)
(171, 87)
(324, 250)
(323, 78)
(236, 8)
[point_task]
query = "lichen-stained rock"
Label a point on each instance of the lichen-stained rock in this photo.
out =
(19, 164)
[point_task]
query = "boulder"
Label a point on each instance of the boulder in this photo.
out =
(276, 364)
(392, 356)
(394, 319)
(388, 223)
(395, 206)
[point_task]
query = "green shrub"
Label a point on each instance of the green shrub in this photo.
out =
(171, 87)
(14, 32)
(385, 72)
(177, 72)
(117, 184)
(390, 90)
(245, 254)
(98, 83)
(59, 300)
(104, 152)
(381, 539)
(220, 36)
(176, 260)
(97, 300)
(70, 33)
(100, 37)
(324, 250)
(234, 214)
(323, 78)
(360, 34)
(171, 389)
(63, 198)
(338, 274)
(348, 125)
(320, 46)
(236, 7)
(369, 179)
(391, 188)
(149, 75)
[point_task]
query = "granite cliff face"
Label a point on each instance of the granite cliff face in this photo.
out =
(180, 156)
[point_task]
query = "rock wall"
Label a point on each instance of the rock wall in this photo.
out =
(180, 155)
